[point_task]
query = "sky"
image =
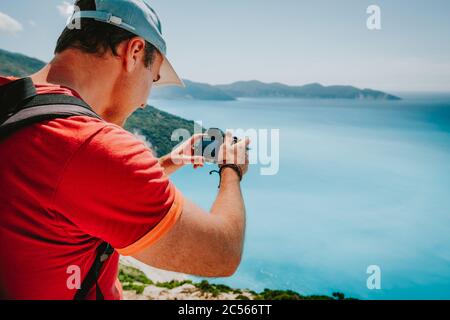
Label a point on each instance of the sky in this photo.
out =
(290, 41)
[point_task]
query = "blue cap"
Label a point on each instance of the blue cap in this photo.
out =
(137, 17)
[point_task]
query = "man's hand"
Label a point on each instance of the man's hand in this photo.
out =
(234, 153)
(182, 155)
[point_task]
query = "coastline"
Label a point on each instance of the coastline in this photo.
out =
(167, 285)
(142, 282)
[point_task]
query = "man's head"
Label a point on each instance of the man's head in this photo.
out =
(133, 64)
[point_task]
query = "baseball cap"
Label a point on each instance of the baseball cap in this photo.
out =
(137, 17)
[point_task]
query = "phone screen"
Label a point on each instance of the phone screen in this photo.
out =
(210, 145)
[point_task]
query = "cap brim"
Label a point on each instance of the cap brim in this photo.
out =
(168, 75)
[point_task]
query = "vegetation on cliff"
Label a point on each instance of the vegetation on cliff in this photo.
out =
(135, 280)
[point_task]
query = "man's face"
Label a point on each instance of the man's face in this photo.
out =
(134, 87)
(143, 80)
(152, 74)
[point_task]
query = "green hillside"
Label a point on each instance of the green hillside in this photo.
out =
(16, 64)
(157, 127)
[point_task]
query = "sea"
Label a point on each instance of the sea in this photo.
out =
(355, 197)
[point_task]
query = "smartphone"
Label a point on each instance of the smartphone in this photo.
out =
(210, 144)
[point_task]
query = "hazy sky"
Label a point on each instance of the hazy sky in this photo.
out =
(290, 41)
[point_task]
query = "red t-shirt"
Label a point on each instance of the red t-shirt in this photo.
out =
(67, 185)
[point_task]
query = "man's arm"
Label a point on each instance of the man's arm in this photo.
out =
(203, 244)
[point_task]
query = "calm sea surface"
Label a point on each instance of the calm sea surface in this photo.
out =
(360, 183)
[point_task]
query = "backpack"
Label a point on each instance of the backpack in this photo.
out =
(21, 106)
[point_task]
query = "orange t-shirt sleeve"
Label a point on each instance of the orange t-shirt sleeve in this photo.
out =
(114, 189)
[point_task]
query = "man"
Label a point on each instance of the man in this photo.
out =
(68, 185)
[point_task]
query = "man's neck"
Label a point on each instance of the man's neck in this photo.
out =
(85, 75)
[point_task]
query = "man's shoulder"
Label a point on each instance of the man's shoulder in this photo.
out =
(72, 130)
(69, 134)
(95, 138)
(80, 128)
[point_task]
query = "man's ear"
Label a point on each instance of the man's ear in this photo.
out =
(134, 53)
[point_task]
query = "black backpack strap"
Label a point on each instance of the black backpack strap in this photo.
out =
(14, 93)
(104, 251)
(36, 111)
(21, 106)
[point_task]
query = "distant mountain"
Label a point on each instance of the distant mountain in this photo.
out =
(257, 89)
(193, 91)
(20, 65)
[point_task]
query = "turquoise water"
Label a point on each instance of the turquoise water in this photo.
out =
(360, 183)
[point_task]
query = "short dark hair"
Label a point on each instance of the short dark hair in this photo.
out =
(97, 37)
